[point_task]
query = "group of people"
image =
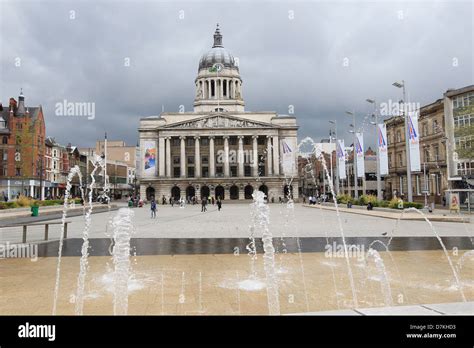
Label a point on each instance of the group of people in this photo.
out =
(204, 202)
(312, 200)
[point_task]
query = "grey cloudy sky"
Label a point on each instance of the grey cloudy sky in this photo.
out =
(291, 53)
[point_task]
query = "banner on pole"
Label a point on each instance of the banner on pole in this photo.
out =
(414, 140)
(289, 159)
(341, 157)
(382, 144)
(149, 158)
(359, 146)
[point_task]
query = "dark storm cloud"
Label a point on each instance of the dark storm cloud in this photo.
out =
(291, 54)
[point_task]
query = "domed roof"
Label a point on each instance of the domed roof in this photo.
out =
(217, 54)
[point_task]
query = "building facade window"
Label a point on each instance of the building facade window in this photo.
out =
(425, 129)
(426, 153)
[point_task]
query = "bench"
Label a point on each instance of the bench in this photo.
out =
(46, 228)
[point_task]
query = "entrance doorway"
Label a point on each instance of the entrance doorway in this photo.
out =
(234, 192)
(220, 192)
(248, 192)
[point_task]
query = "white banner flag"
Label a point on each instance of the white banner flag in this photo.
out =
(414, 137)
(288, 160)
(382, 142)
(359, 146)
(341, 157)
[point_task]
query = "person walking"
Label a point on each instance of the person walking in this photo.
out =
(153, 209)
(219, 204)
(203, 205)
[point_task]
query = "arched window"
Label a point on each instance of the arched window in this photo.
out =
(213, 88)
(224, 93)
(248, 191)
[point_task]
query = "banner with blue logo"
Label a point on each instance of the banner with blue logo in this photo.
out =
(382, 146)
(359, 147)
(414, 140)
(341, 158)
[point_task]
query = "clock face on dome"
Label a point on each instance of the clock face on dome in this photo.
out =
(218, 67)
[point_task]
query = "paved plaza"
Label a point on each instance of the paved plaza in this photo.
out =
(234, 219)
(185, 262)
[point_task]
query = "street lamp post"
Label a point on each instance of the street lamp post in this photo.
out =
(379, 181)
(407, 141)
(354, 153)
(334, 122)
(330, 160)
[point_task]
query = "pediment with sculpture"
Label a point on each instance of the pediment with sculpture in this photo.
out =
(219, 121)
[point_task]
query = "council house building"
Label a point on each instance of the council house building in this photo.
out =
(219, 149)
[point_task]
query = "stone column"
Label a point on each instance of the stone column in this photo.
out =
(183, 156)
(197, 158)
(269, 156)
(255, 156)
(168, 157)
(212, 158)
(240, 157)
(226, 156)
(276, 155)
(161, 156)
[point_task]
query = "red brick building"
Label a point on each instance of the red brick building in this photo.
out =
(22, 149)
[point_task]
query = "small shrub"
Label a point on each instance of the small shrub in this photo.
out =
(366, 199)
(393, 203)
(23, 201)
(412, 205)
(343, 199)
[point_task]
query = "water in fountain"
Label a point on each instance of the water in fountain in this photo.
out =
(462, 259)
(123, 230)
(320, 157)
(263, 220)
(307, 153)
(317, 152)
(435, 233)
(385, 284)
(397, 271)
(79, 302)
(74, 171)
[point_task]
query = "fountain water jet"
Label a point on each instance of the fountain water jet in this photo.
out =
(319, 155)
(263, 220)
(453, 269)
(385, 284)
(79, 305)
(123, 230)
(74, 171)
